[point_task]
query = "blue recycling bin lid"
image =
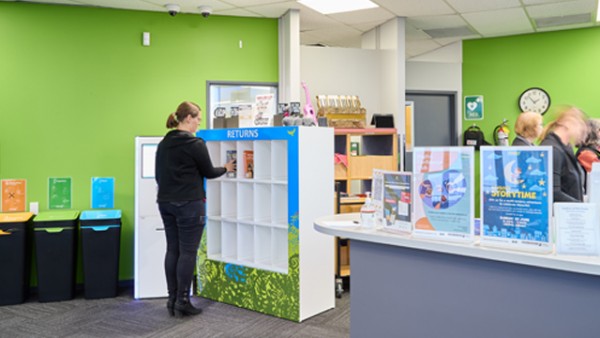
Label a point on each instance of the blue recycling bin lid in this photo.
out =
(96, 215)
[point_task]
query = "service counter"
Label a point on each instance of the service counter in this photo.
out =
(408, 287)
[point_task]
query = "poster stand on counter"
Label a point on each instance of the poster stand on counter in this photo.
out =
(443, 199)
(516, 197)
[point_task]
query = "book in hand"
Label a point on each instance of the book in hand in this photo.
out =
(231, 156)
(248, 163)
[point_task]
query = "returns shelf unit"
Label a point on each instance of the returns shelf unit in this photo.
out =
(260, 250)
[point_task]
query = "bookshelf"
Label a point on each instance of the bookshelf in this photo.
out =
(260, 229)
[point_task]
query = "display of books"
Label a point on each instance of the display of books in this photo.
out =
(232, 155)
(248, 163)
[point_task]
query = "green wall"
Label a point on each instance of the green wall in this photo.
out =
(564, 63)
(77, 86)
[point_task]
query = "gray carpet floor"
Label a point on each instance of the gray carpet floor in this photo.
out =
(125, 317)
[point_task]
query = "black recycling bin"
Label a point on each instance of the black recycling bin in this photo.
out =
(15, 257)
(100, 243)
(55, 238)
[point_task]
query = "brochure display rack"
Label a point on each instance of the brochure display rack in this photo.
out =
(259, 250)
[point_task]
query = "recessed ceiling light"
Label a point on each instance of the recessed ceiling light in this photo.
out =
(337, 6)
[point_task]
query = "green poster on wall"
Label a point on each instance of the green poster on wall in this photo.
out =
(59, 193)
(474, 107)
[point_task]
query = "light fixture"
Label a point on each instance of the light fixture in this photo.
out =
(337, 6)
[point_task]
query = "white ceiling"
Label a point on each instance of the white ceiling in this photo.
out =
(431, 24)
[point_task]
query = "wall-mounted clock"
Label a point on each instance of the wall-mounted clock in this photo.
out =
(534, 99)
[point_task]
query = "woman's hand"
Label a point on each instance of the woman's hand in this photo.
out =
(230, 166)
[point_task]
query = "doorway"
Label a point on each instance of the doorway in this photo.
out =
(434, 121)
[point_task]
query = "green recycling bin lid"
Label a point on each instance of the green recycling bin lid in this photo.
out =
(15, 217)
(95, 215)
(56, 215)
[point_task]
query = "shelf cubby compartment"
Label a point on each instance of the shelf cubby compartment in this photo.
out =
(262, 160)
(279, 203)
(228, 199)
(229, 241)
(263, 254)
(214, 239)
(214, 151)
(213, 198)
(279, 160)
(280, 249)
(245, 242)
(262, 202)
(225, 147)
(242, 147)
(245, 201)
(362, 166)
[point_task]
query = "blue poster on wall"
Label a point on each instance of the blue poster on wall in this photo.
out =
(516, 198)
(103, 192)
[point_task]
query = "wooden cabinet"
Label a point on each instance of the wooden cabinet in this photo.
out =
(377, 149)
(358, 152)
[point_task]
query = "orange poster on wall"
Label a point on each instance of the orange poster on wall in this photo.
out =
(14, 195)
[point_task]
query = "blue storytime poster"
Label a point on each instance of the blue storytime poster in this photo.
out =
(443, 201)
(516, 197)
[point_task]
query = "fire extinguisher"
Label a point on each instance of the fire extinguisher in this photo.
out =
(501, 133)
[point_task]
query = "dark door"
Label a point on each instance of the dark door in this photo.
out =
(434, 121)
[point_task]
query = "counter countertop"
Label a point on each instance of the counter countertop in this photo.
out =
(346, 229)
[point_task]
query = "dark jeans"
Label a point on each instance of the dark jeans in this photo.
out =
(184, 223)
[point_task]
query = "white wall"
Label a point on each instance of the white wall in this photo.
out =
(342, 71)
(439, 70)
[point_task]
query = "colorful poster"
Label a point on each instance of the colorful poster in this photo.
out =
(516, 197)
(59, 193)
(443, 198)
(103, 192)
(14, 195)
(397, 201)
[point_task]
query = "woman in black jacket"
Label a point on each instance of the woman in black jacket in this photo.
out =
(182, 163)
(569, 128)
(528, 128)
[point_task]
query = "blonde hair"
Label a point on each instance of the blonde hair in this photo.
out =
(564, 115)
(527, 123)
(183, 110)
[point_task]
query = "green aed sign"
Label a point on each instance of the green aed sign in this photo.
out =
(474, 107)
(59, 193)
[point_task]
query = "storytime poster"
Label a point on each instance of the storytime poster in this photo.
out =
(443, 193)
(516, 197)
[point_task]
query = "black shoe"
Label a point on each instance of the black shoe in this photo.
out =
(171, 306)
(183, 307)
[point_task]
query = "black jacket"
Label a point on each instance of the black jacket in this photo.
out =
(567, 174)
(182, 163)
(521, 141)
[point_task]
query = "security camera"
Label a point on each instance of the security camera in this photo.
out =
(205, 11)
(173, 9)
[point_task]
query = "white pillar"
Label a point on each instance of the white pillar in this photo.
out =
(289, 57)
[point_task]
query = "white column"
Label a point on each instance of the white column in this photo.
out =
(289, 57)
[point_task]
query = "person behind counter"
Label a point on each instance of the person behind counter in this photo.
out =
(528, 127)
(182, 163)
(589, 150)
(569, 128)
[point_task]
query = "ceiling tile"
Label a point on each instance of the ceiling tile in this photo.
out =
(191, 6)
(435, 22)
(415, 7)
(563, 8)
(468, 6)
(564, 27)
(339, 36)
(537, 2)
(275, 10)
(312, 20)
(412, 33)
(246, 3)
(367, 26)
(362, 16)
(417, 47)
(130, 4)
(237, 12)
(501, 22)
